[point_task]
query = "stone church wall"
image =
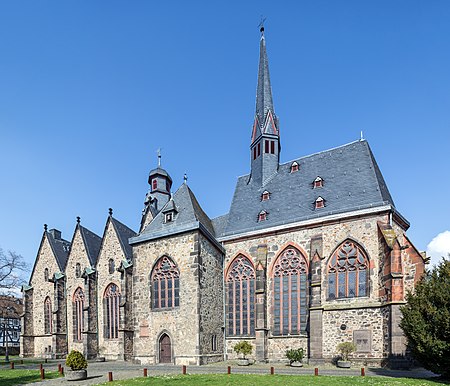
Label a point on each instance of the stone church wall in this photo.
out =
(111, 249)
(180, 324)
(77, 255)
(363, 230)
(211, 302)
(46, 259)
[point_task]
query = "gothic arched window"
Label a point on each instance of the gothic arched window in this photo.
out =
(78, 270)
(78, 304)
(348, 272)
(111, 266)
(240, 287)
(47, 315)
(165, 284)
(111, 301)
(290, 309)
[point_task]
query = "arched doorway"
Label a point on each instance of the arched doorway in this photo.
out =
(165, 349)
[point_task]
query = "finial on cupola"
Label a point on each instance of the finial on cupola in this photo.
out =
(110, 211)
(185, 178)
(159, 157)
(78, 219)
(45, 227)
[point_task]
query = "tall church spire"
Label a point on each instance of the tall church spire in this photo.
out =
(265, 144)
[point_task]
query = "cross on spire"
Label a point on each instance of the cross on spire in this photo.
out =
(159, 157)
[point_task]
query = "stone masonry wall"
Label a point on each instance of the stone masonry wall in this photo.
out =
(42, 289)
(211, 302)
(111, 249)
(77, 255)
(362, 230)
(180, 323)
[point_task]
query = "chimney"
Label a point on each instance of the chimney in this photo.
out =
(55, 233)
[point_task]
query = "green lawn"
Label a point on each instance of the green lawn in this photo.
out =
(17, 359)
(270, 380)
(19, 377)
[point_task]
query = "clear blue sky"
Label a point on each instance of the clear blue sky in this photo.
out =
(90, 89)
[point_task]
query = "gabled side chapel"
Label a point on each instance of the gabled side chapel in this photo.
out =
(312, 253)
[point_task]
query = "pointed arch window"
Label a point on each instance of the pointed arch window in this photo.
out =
(111, 266)
(48, 315)
(165, 284)
(78, 270)
(294, 167)
(111, 301)
(78, 305)
(348, 272)
(240, 287)
(290, 307)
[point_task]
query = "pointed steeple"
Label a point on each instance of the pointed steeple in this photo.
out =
(265, 118)
(265, 144)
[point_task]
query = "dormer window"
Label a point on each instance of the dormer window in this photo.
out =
(265, 196)
(294, 167)
(154, 184)
(318, 182)
(168, 217)
(320, 202)
(262, 216)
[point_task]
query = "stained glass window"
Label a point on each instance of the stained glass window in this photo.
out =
(165, 282)
(348, 272)
(111, 301)
(289, 293)
(240, 284)
(78, 304)
(48, 315)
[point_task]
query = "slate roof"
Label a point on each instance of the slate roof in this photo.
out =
(352, 181)
(219, 224)
(60, 248)
(92, 242)
(124, 233)
(189, 216)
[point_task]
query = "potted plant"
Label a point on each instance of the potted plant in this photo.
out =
(244, 348)
(295, 357)
(345, 349)
(78, 364)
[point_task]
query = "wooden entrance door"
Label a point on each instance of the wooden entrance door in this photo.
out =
(165, 349)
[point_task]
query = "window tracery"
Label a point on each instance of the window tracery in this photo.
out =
(165, 282)
(78, 305)
(240, 287)
(290, 275)
(348, 272)
(111, 301)
(48, 315)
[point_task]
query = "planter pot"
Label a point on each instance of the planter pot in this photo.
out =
(344, 364)
(296, 364)
(76, 375)
(243, 362)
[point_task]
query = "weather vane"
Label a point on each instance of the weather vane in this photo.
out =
(159, 157)
(261, 24)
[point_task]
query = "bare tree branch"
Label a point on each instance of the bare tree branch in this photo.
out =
(12, 266)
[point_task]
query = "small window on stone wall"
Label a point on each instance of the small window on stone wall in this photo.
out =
(46, 274)
(111, 266)
(78, 270)
(214, 342)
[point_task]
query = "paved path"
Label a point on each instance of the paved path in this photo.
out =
(98, 372)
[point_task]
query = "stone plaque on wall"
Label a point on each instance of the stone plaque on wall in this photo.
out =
(363, 340)
(143, 331)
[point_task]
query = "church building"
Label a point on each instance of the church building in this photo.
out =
(312, 253)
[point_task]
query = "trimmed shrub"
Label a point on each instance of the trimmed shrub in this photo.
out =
(295, 355)
(76, 360)
(345, 349)
(243, 348)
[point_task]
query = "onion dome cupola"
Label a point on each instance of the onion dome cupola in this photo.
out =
(265, 146)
